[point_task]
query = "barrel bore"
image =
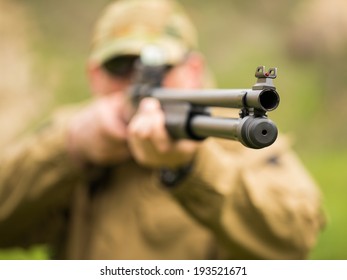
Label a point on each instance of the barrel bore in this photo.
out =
(269, 99)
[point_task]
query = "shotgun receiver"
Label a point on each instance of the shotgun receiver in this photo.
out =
(188, 111)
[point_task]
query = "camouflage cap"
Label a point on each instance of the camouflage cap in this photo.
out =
(127, 26)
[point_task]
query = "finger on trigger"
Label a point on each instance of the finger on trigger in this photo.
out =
(160, 136)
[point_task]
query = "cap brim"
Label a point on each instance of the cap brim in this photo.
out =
(174, 50)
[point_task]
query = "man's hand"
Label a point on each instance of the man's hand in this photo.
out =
(98, 133)
(150, 143)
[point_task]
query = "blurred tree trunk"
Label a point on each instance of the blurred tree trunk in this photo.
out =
(20, 97)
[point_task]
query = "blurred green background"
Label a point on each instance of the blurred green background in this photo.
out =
(46, 43)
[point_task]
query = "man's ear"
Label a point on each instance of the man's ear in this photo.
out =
(96, 78)
(196, 67)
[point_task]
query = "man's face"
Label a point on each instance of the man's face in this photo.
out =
(115, 79)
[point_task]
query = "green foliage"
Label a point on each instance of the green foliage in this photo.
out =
(34, 253)
(329, 169)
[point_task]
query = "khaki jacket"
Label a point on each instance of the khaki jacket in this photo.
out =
(236, 203)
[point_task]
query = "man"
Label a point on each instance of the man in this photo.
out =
(89, 183)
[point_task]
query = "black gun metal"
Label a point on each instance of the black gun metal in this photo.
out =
(188, 111)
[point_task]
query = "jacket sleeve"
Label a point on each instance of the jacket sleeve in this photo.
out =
(259, 204)
(36, 179)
